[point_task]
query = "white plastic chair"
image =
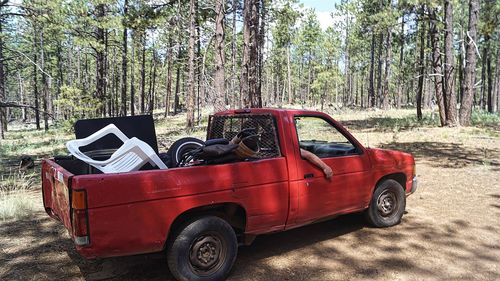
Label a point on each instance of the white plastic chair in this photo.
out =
(131, 156)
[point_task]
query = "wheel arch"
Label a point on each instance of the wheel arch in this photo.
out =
(233, 213)
(399, 177)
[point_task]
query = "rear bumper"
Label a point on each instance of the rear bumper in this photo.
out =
(414, 184)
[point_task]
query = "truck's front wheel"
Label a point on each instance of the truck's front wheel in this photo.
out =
(204, 249)
(387, 205)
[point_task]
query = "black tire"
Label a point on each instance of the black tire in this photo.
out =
(182, 146)
(204, 249)
(387, 205)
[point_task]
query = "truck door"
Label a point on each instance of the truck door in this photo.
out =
(347, 189)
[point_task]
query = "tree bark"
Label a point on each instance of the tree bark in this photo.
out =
(190, 98)
(436, 65)
(379, 68)
(249, 71)
(45, 84)
(100, 61)
(371, 88)
(470, 64)
(449, 66)
(421, 64)
(219, 75)
(143, 70)
(132, 76)
(124, 62)
(168, 86)
(401, 60)
(387, 73)
(3, 115)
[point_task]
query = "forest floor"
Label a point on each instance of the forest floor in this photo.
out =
(450, 230)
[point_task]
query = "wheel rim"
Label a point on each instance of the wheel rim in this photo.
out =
(207, 254)
(387, 203)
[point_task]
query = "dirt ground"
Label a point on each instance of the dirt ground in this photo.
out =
(451, 229)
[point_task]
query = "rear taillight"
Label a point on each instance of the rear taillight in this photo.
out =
(80, 217)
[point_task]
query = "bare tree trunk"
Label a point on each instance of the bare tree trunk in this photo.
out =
(371, 88)
(436, 65)
(249, 71)
(220, 59)
(379, 68)
(124, 62)
(132, 76)
(421, 63)
(236, 100)
(177, 90)
(190, 98)
(45, 84)
(289, 73)
(387, 74)
(21, 95)
(261, 33)
(470, 64)
(401, 60)
(3, 116)
(449, 66)
(496, 89)
(35, 81)
(143, 71)
(169, 78)
(100, 61)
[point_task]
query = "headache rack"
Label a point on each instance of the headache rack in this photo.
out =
(228, 126)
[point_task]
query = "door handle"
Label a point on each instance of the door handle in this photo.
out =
(308, 176)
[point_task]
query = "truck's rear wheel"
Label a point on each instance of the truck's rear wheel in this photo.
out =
(387, 205)
(205, 249)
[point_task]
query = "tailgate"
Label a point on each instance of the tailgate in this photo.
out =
(56, 188)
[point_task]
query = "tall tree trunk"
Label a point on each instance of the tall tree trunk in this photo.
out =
(60, 80)
(236, 100)
(177, 89)
(421, 63)
(220, 59)
(436, 65)
(379, 68)
(132, 75)
(168, 86)
(190, 98)
(123, 111)
(100, 61)
(261, 36)
(497, 81)
(371, 88)
(45, 84)
(3, 114)
(470, 64)
(151, 78)
(482, 95)
(35, 80)
(249, 71)
(21, 95)
(143, 70)
(289, 75)
(387, 73)
(449, 66)
(347, 83)
(152, 96)
(401, 60)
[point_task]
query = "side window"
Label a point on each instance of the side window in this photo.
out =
(321, 138)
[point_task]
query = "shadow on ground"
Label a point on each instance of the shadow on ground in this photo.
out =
(41, 250)
(448, 155)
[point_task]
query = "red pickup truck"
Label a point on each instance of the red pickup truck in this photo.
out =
(200, 213)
